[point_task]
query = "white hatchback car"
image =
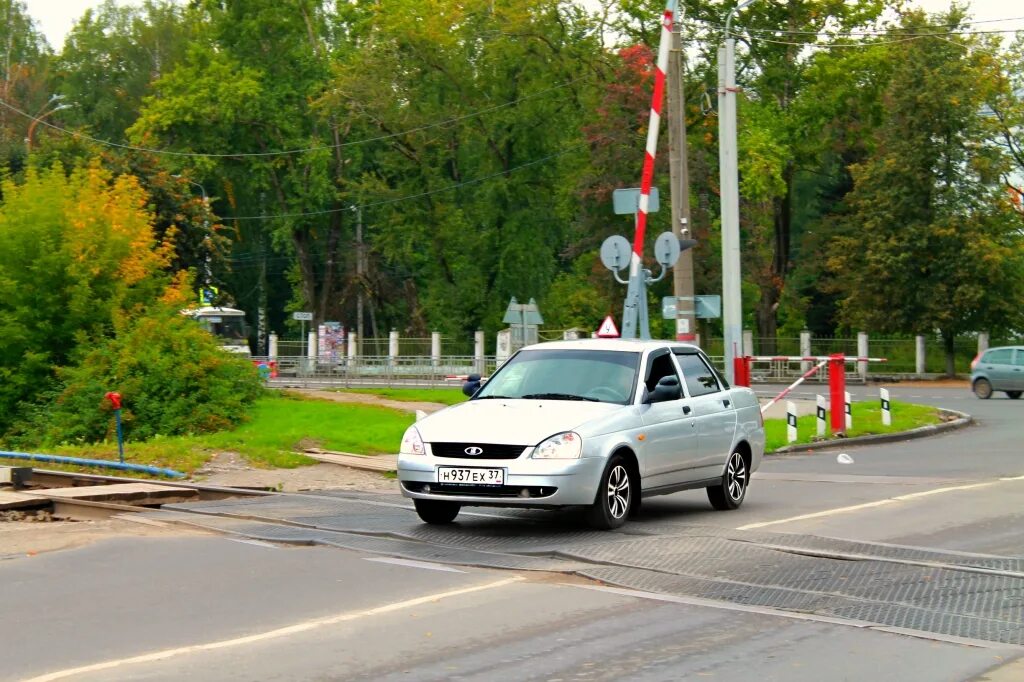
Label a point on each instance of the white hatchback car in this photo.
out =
(594, 423)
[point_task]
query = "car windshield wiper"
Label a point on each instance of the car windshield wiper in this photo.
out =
(560, 396)
(489, 397)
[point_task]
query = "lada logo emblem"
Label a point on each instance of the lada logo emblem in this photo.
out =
(474, 450)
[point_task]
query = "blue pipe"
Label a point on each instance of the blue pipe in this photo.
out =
(120, 466)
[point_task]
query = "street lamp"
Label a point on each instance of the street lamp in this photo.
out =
(732, 303)
(43, 113)
(207, 269)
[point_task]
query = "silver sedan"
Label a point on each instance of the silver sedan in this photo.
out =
(596, 424)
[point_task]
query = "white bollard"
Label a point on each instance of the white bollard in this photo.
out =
(805, 350)
(790, 421)
(849, 411)
(748, 342)
(862, 351)
(478, 352)
(822, 414)
(919, 354)
(392, 346)
(272, 348)
(435, 348)
(353, 348)
(886, 411)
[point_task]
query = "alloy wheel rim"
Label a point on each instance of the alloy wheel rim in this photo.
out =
(983, 388)
(736, 476)
(618, 491)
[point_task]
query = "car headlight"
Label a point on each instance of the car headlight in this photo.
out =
(412, 444)
(566, 445)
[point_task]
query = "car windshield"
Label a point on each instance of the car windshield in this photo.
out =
(574, 374)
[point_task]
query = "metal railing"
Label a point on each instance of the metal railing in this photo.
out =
(379, 371)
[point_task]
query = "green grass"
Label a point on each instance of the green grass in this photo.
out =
(867, 419)
(445, 396)
(279, 425)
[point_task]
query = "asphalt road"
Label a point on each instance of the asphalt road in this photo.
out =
(215, 608)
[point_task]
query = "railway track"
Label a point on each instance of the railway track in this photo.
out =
(80, 496)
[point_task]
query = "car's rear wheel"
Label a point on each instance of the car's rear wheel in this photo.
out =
(615, 495)
(983, 389)
(437, 511)
(1013, 394)
(730, 494)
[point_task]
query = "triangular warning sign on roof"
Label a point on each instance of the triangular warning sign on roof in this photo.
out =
(608, 330)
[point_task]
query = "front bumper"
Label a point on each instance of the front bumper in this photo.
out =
(548, 483)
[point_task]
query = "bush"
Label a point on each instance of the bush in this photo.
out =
(173, 377)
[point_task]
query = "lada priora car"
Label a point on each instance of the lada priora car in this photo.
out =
(998, 369)
(595, 424)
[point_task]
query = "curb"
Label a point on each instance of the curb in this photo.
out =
(963, 419)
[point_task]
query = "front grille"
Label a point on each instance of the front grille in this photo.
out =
(490, 450)
(532, 492)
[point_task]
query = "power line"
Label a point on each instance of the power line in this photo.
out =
(222, 155)
(419, 195)
(881, 32)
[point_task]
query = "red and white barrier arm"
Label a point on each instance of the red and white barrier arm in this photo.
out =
(653, 126)
(809, 358)
(796, 383)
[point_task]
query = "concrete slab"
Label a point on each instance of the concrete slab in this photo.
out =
(367, 462)
(9, 500)
(135, 493)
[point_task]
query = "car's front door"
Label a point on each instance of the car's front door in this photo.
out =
(712, 405)
(670, 431)
(998, 365)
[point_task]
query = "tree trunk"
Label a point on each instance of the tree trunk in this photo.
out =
(947, 343)
(767, 323)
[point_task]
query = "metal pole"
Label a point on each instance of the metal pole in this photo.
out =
(120, 435)
(359, 272)
(732, 304)
(682, 274)
(636, 287)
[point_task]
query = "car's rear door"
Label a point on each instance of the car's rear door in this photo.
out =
(712, 404)
(1018, 369)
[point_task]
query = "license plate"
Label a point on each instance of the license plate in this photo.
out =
(470, 476)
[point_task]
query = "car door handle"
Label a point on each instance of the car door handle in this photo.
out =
(686, 409)
(725, 401)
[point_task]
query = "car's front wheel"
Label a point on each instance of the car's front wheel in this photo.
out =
(437, 511)
(983, 389)
(1013, 395)
(730, 494)
(614, 496)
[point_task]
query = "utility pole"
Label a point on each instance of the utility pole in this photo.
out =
(359, 273)
(732, 303)
(679, 186)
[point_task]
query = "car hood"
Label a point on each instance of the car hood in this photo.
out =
(513, 421)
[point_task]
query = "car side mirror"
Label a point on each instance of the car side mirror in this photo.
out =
(472, 385)
(667, 389)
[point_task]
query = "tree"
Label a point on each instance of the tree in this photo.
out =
(930, 235)
(76, 252)
(111, 58)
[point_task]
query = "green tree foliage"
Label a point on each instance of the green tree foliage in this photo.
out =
(23, 63)
(173, 378)
(75, 252)
(111, 57)
(931, 242)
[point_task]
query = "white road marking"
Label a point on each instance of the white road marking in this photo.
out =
(257, 543)
(273, 634)
(411, 563)
(877, 503)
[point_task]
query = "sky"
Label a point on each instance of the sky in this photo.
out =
(55, 17)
